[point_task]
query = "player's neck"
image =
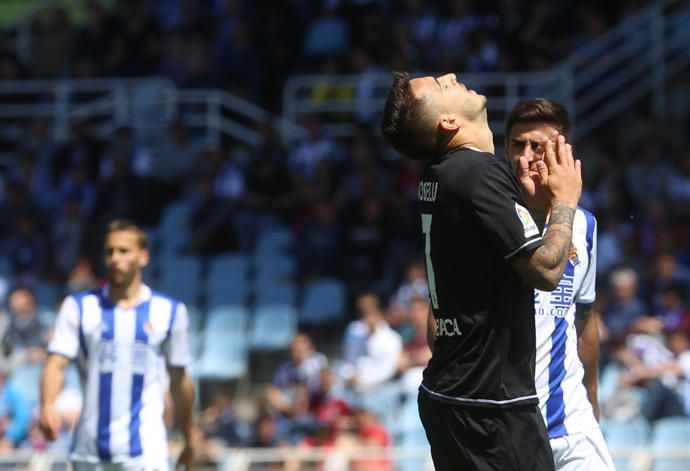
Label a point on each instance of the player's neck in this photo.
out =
(480, 139)
(126, 296)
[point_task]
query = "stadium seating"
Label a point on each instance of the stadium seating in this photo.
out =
(46, 316)
(196, 319)
(230, 321)
(226, 282)
(269, 292)
(273, 327)
(669, 436)
(624, 438)
(385, 402)
(25, 380)
(46, 293)
(222, 358)
(274, 241)
(174, 225)
(324, 302)
(274, 267)
(180, 277)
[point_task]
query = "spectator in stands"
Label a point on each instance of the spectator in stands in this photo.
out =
(646, 176)
(645, 362)
(125, 195)
(304, 366)
(38, 141)
(35, 177)
(52, 43)
(416, 353)
(328, 403)
(16, 203)
(668, 271)
(624, 306)
(265, 433)
(210, 225)
(229, 182)
(304, 160)
(269, 195)
(413, 286)
(15, 413)
(25, 337)
(371, 433)
(81, 277)
(75, 184)
(27, 251)
(96, 40)
(175, 162)
(82, 149)
(136, 157)
(319, 243)
(622, 390)
(371, 347)
(219, 421)
(236, 63)
(673, 311)
(679, 344)
(67, 237)
(365, 246)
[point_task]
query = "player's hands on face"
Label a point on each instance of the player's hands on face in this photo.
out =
(186, 458)
(563, 173)
(534, 183)
(49, 422)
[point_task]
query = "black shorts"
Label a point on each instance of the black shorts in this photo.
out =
(482, 438)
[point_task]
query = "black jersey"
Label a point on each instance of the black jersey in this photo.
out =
(474, 222)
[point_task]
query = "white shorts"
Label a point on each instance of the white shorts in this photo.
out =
(133, 465)
(584, 451)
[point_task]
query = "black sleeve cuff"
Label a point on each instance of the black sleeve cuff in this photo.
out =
(526, 247)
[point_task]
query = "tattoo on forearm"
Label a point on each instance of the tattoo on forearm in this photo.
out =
(557, 242)
(561, 213)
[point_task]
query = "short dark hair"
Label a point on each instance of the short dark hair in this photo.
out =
(540, 110)
(406, 124)
(119, 225)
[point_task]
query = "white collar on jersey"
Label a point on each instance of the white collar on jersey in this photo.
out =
(146, 292)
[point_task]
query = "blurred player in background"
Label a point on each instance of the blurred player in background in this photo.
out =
(484, 256)
(120, 334)
(567, 337)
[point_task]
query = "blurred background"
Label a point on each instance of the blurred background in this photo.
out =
(242, 134)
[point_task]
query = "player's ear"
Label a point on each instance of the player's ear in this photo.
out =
(144, 258)
(448, 123)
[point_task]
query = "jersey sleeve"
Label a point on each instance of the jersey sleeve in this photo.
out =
(65, 340)
(497, 201)
(176, 347)
(587, 293)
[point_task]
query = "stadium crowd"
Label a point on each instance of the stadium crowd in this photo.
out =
(352, 212)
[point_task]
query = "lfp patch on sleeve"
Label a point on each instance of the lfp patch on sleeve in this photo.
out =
(528, 224)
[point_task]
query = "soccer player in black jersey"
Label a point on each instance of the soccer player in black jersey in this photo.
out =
(484, 257)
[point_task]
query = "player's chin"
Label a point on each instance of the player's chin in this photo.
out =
(117, 279)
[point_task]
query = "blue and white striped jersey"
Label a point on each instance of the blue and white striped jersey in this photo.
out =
(559, 372)
(122, 353)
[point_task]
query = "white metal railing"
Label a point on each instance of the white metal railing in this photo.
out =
(595, 82)
(333, 459)
(146, 104)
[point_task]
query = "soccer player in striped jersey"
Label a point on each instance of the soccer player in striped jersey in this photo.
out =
(566, 331)
(120, 334)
